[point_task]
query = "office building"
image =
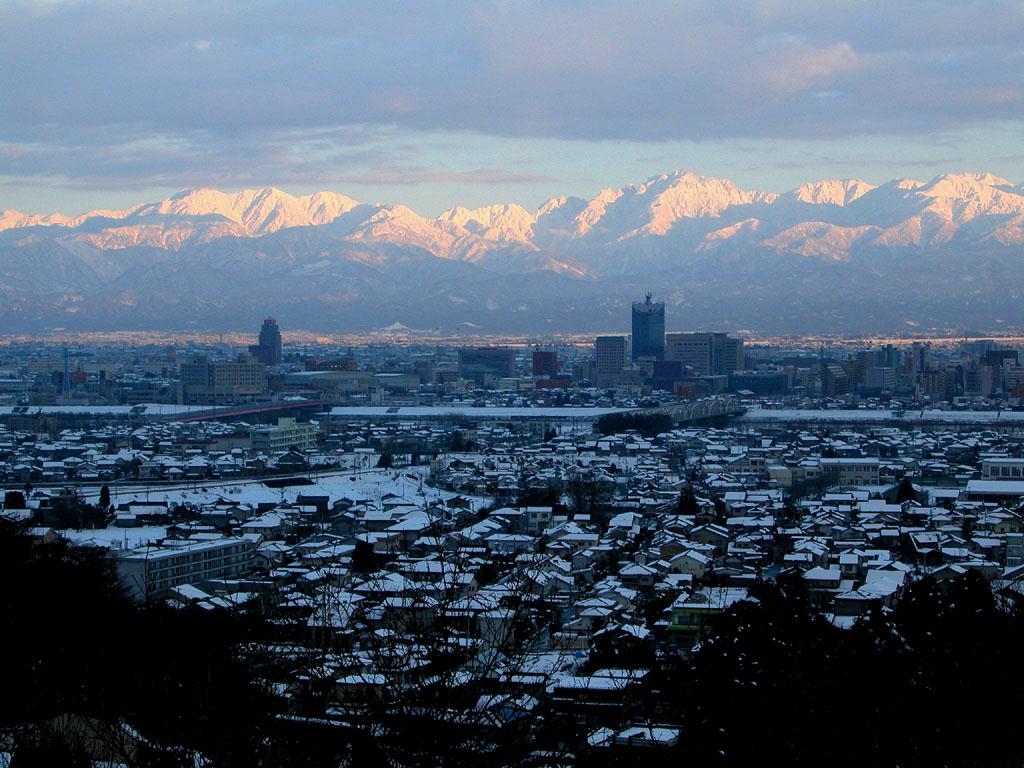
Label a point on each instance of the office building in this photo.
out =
(648, 342)
(937, 384)
(545, 363)
(834, 380)
(479, 364)
(209, 382)
(880, 379)
(997, 358)
(979, 381)
(268, 351)
(763, 383)
(665, 374)
(426, 369)
(708, 354)
(730, 356)
(610, 356)
(976, 347)
(920, 357)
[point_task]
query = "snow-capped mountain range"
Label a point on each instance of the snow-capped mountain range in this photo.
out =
(833, 255)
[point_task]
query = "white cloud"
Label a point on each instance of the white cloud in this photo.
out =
(147, 91)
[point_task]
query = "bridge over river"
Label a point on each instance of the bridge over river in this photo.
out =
(696, 411)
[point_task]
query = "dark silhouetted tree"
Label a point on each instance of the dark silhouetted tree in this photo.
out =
(363, 558)
(906, 491)
(687, 503)
(14, 500)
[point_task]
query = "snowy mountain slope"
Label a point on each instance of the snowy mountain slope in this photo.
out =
(834, 247)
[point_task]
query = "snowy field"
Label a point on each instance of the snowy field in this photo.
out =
(117, 538)
(373, 485)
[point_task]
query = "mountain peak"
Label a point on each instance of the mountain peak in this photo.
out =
(960, 197)
(685, 194)
(968, 180)
(689, 234)
(840, 192)
(562, 226)
(492, 222)
(256, 210)
(559, 203)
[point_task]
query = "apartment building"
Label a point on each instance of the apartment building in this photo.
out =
(852, 471)
(1002, 469)
(148, 572)
(283, 436)
(208, 382)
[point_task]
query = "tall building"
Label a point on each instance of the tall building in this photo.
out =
(979, 380)
(937, 384)
(997, 358)
(545, 363)
(648, 329)
(834, 380)
(209, 382)
(708, 354)
(481, 363)
(268, 351)
(880, 378)
(730, 357)
(921, 356)
(610, 356)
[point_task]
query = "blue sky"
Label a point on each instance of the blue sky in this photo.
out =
(440, 103)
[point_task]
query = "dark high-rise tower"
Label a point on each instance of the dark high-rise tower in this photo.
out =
(648, 329)
(545, 363)
(268, 351)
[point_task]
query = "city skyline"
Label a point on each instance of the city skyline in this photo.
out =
(549, 383)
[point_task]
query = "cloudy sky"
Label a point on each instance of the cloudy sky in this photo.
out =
(435, 103)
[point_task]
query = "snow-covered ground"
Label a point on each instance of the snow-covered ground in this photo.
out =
(117, 538)
(879, 414)
(409, 483)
